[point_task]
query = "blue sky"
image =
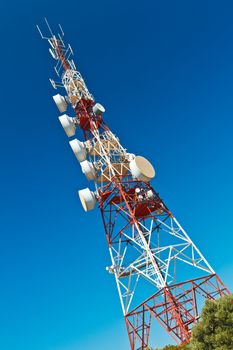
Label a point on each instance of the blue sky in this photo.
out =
(164, 72)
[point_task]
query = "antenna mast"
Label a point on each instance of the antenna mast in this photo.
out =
(151, 254)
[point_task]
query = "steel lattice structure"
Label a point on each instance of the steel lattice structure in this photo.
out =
(150, 251)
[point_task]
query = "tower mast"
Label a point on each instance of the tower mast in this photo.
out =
(150, 252)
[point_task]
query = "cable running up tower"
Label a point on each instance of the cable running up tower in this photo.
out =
(152, 257)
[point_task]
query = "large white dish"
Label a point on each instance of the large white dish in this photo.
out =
(142, 169)
(79, 149)
(87, 199)
(60, 103)
(98, 109)
(88, 169)
(68, 124)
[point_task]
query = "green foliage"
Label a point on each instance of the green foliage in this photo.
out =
(215, 329)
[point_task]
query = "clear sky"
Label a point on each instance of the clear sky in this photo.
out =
(164, 72)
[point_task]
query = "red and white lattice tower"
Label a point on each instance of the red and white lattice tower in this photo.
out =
(160, 273)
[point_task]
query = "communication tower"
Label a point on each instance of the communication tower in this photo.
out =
(159, 271)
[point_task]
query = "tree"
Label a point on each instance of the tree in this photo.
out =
(215, 328)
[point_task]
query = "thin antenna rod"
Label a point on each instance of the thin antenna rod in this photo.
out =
(38, 28)
(48, 26)
(62, 33)
(61, 39)
(71, 49)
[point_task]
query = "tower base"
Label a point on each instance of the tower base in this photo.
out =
(176, 308)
